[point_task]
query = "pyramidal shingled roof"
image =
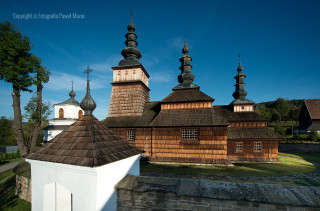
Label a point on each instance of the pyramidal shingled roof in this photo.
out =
(87, 142)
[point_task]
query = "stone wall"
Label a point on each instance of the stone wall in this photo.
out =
(304, 148)
(159, 193)
(23, 188)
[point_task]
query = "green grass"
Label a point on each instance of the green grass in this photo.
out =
(290, 164)
(8, 201)
(9, 161)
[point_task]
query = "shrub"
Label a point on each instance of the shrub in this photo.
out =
(280, 130)
(313, 136)
(18, 154)
(6, 156)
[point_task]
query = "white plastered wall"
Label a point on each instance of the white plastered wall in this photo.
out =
(70, 111)
(91, 188)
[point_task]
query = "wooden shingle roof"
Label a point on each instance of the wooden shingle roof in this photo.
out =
(86, 142)
(186, 95)
(313, 108)
(150, 111)
(188, 117)
(257, 133)
(228, 114)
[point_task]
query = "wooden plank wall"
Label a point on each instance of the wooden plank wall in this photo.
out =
(210, 148)
(163, 144)
(269, 151)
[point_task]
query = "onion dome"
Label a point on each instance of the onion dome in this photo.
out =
(88, 104)
(130, 53)
(186, 77)
(240, 94)
(72, 94)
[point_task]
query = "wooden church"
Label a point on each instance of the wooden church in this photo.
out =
(185, 127)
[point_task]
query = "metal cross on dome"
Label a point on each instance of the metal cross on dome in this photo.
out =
(88, 71)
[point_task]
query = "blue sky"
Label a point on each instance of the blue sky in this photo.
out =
(278, 41)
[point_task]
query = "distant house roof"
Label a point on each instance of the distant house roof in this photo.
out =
(228, 114)
(86, 142)
(70, 101)
(186, 95)
(150, 111)
(189, 117)
(315, 127)
(258, 133)
(313, 107)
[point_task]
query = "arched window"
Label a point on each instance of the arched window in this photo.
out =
(60, 113)
(80, 114)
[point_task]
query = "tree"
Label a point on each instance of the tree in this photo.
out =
(282, 107)
(22, 69)
(6, 132)
(31, 110)
(275, 116)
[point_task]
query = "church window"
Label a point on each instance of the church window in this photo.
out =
(61, 113)
(130, 135)
(239, 147)
(257, 146)
(80, 114)
(189, 134)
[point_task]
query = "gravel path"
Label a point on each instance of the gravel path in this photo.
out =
(8, 166)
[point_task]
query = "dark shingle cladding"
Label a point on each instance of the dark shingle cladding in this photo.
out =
(239, 93)
(228, 114)
(189, 117)
(87, 142)
(186, 77)
(150, 111)
(186, 95)
(255, 133)
(130, 53)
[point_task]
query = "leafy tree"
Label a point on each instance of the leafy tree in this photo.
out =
(31, 110)
(6, 132)
(22, 69)
(282, 107)
(275, 116)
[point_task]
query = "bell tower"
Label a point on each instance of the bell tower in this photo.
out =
(130, 90)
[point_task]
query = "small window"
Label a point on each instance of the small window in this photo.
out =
(130, 135)
(61, 113)
(189, 134)
(257, 146)
(80, 114)
(239, 147)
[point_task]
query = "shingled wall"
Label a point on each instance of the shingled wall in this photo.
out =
(128, 99)
(159, 193)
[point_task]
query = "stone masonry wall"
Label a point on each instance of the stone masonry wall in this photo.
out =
(23, 188)
(156, 193)
(128, 100)
(304, 148)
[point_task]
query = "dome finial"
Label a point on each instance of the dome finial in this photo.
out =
(71, 93)
(88, 104)
(185, 49)
(131, 27)
(240, 68)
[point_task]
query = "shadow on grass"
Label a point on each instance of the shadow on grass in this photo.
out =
(8, 201)
(290, 165)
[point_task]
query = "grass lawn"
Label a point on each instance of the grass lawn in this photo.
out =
(8, 201)
(290, 164)
(9, 161)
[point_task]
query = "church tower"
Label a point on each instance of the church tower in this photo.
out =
(240, 103)
(130, 90)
